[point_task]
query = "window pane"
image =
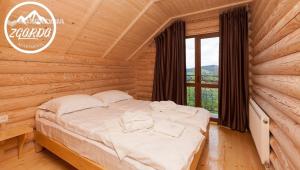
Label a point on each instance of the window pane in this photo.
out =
(190, 60)
(190, 96)
(209, 99)
(210, 60)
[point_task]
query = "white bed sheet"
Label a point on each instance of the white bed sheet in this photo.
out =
(90, 149)
(200, 120)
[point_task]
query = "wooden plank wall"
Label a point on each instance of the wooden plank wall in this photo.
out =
(144, 63)
(275, 75)
(144, 72)
(26, 81)
(202, 24)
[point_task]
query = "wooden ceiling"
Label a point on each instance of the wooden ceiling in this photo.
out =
(114, 28)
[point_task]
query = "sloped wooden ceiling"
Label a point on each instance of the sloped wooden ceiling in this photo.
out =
(113, 28)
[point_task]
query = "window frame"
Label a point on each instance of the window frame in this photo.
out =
(198, 84)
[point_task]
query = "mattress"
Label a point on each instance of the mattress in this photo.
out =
(199, 120)
(82, 142)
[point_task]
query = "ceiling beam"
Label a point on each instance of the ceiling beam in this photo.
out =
(185, 15)
(90, 12)
(127, 29)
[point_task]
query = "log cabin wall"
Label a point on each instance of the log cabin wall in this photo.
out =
(28, 81)
(275, 75)
(145, 61)
(144, 72)
(90, 53)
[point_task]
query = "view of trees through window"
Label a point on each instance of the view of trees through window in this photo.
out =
(202, 68)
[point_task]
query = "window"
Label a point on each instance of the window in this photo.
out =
(202, 72)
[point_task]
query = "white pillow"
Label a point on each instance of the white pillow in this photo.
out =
(112, 96)
(71, 103)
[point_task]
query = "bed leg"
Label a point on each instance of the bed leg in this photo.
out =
(37, 147)
(207, 133)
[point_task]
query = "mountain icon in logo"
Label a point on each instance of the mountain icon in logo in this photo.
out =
(32, 18)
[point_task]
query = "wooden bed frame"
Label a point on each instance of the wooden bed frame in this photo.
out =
(81, 162)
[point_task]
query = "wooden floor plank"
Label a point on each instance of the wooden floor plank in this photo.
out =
(230, 150)
(36, 161)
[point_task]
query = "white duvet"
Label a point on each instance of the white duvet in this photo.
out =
(199, 120)
(146, 146)
(164, 106)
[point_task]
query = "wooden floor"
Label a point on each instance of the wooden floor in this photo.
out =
(226, 150)
(229, 150)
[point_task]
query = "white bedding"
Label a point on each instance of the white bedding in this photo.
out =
(147, 146)
(199, 120)
(131, 105)
(88, 148)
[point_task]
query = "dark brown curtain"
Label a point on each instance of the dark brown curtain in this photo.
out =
(233, 91)
(169, 72)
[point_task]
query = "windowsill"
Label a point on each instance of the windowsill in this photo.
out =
(214, 117)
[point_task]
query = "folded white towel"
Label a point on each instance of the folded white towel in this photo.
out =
(138, 120)
(131, 116)
(163, 106)
(137, 125)
(168, 128)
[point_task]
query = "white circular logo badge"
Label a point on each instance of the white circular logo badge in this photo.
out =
(30, 27)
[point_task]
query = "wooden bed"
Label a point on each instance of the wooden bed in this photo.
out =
(81, 162)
